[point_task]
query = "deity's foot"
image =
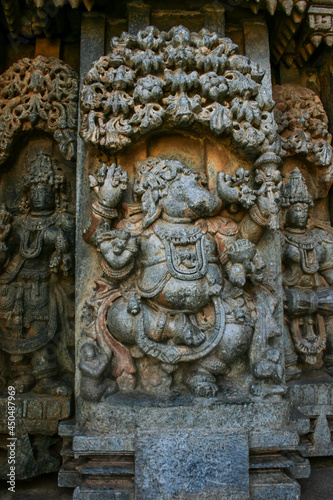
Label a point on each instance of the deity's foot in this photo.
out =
(292, 372)
(263, 390)
(202, 385)
(52, 387)
(23, 383)
(110, 388)
(189, 334)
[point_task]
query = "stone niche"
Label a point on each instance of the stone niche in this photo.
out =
(37, 218)
(180, 363)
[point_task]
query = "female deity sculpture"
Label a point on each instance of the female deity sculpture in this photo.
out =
(164, 265)
(307, 278)
(35, 285)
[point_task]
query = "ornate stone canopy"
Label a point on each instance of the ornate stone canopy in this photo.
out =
(39, 94)
(158, 81)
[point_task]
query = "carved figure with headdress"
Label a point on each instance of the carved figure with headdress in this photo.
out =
(36, 261)
(307, 277)
(173, 294)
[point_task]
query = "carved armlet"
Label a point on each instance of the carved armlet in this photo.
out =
(98, 212)
(103, 211)
(257, 217)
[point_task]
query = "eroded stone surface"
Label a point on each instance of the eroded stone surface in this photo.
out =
(174, 465)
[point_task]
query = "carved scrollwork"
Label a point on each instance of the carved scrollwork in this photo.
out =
(161, 81)
(302, 124)
(42, 94)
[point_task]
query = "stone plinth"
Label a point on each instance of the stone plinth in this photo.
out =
(126, 434)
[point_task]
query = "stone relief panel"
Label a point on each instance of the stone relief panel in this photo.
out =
(37, 263)
(307, 277)
(37, 300)
(183, 297)
(307, 233)
(38, 108)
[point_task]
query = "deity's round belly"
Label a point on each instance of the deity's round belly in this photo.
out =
(182, 295)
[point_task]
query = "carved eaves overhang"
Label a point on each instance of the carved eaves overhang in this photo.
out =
(297, 35)
(31, 18)
(298, 27)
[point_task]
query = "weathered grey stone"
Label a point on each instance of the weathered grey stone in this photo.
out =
(123, 414)
(273, 485)
(195, 462)
(81, 493)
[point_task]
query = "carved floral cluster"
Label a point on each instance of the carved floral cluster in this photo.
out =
(40, 93)
(157, 80)
(302, 124)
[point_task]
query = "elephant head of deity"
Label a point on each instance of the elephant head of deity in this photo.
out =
(169, 188)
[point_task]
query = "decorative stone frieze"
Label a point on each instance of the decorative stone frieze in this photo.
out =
(38, 94)
(157, 81)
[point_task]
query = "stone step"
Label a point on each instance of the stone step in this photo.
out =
(273, 486)
(99, 493)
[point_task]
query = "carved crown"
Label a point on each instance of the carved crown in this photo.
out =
(295, 190)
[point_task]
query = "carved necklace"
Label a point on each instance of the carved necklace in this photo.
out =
(40, 223)
(31, 250)
(307, 250)
(185, 250)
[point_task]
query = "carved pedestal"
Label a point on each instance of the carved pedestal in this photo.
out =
(36, 441)
(181, 447)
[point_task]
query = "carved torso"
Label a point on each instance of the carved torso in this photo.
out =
(25, 296)
(179, 265)
(305, 255)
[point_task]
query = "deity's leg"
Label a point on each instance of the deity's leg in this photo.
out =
(159, 324)
(21, 373)
(45, 369)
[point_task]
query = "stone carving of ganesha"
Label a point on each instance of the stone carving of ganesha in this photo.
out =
(177, 292)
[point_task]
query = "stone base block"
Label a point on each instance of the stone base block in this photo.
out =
(37, 446)
(100, 493)
(273, 485)
(183, 448)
